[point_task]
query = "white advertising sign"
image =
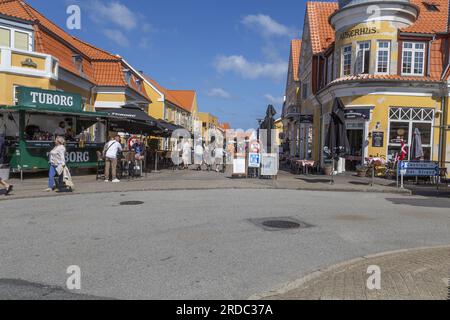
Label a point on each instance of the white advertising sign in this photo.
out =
(269, 164)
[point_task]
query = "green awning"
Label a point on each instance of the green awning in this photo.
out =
(57, 111)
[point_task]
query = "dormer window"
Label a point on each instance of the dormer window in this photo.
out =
(127, 75)
(413, 58)
(431, 6)
(78, 62)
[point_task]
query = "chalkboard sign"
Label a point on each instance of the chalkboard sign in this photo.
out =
(377, 139)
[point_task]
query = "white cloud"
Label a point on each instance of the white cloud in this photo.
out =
(144, 43)
(251, 70)
(117, 36)
(219, 93)
(267, 26)
(113, 12)
(274, 100)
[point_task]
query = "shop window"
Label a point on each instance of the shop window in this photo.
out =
(413, 58)
(363, 58)
(398, 132)
(347, 61)
(5, 38)
(383, 57)
(402, 124)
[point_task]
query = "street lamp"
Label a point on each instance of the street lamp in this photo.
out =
(259, 125)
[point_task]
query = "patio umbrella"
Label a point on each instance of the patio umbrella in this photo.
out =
(132, 119)
(336, 140)
(131, 112)
(416, 146)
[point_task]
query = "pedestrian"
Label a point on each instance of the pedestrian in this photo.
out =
(7, 188)
(110, 152)
(198, 153)
(57, 160)
(138, 147)
(218, 155)
(187, 154)
(61, 130)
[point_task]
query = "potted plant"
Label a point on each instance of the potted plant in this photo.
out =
(361, 170)
(327, 168)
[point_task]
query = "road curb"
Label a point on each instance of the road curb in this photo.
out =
(255, 187)
(319, 272)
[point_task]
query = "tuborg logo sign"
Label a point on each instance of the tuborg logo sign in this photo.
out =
(47, 99)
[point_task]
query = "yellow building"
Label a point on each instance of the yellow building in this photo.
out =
(34, 52)
(292, 106)
(279, 131)
(208, 122)
(388, 69)
(178, 107)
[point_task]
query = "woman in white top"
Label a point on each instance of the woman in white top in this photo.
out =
(57, 160)
(187, 154)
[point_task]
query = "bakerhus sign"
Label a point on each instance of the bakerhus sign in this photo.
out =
(47, 99)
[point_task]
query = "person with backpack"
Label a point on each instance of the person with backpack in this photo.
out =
(110, 152)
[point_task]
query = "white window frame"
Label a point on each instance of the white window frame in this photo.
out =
(388, 50)
(411, 115)
(15, 95)
(414, 51)
(343, 60)
(13, 38)
(363, 56)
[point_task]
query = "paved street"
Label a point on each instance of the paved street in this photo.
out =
(204, 244)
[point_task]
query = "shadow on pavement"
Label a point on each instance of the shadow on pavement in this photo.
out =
(14, 289)
(428, 202)
(314, 180)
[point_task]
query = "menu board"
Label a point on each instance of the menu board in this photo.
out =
(377, 139)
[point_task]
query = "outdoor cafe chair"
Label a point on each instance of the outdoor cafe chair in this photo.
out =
(100, 166)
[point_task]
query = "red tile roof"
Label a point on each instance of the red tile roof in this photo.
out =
(437, 58)
(378, 77)
(296, 48)
(99, 66)
(183, 99)
(321, 32)
(430, 22)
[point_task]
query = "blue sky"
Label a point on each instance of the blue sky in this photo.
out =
(234, 53)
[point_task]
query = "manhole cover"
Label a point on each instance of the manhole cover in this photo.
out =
(281, 224)
(131, 203)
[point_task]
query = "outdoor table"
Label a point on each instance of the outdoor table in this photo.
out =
(305, 164)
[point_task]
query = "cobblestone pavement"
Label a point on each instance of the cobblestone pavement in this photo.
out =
(421, 274)
(33, 186)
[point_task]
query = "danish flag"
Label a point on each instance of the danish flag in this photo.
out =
(403, 151)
